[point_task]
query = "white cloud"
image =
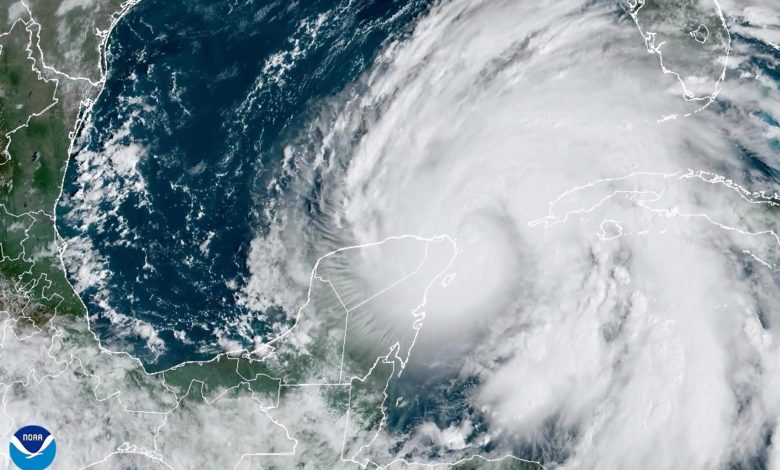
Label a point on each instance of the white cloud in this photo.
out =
(16, 10)
(453, 437)
(633, 348)
(147, 332)
(68, 5)
(655, 349)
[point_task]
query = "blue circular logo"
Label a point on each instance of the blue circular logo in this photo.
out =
(33, 448)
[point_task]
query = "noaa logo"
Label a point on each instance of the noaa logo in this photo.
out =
(33, 448)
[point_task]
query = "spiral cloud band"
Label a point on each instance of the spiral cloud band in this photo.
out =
(615, 282)
(522, 234)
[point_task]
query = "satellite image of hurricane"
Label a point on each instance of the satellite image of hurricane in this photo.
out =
(390, 234)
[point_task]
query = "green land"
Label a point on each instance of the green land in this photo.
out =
(38, 110)
(50, 63)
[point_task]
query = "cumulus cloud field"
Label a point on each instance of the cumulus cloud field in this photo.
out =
(571, 206)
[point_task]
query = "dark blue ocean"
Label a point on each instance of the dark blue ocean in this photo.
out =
(211, 91)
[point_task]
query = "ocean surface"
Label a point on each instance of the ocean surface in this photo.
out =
(613, 217)
(174, 169)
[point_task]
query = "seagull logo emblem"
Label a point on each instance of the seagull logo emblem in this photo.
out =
(32, 448)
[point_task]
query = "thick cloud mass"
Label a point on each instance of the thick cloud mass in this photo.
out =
(546, 230)
(615, 288)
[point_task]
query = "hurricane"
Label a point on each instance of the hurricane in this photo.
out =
(557, 222)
